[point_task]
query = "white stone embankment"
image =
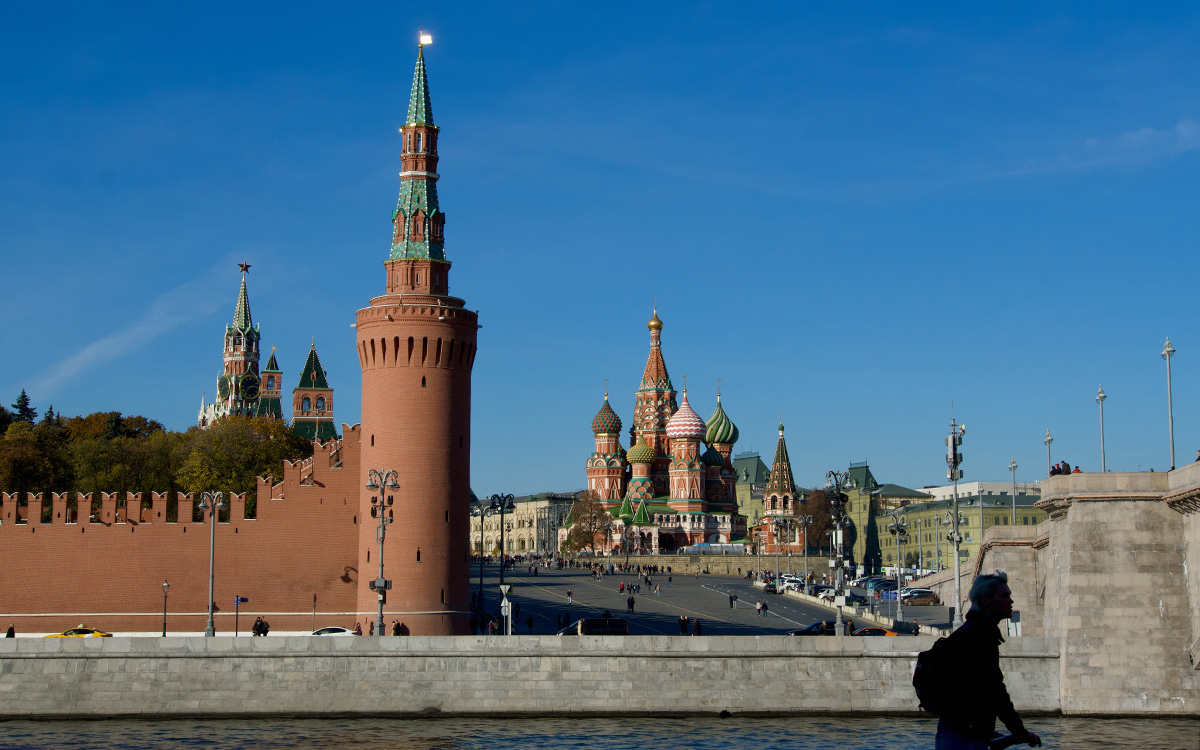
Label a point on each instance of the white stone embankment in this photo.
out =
(469, 675)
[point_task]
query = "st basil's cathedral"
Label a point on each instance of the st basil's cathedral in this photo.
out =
(675, 487)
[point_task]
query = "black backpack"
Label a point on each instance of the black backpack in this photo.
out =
(933, 677)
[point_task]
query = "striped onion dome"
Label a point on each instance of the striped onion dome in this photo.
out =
(685, 424)
(641, 453)
(606, 420)
(720, 428)
(712, 457)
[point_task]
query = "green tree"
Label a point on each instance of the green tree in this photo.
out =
(6, 418)
(23, 410)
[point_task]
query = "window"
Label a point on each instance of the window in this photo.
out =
(320, 403)
(270, 382)
(305, 404)
(418, 141)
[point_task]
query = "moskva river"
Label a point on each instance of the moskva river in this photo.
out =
(633, 733)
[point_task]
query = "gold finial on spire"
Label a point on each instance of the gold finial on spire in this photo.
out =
(606, 389)
(423, 38)
(718, 390)
(685, 385)
(655, 324)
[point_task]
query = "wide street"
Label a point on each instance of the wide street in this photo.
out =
(705, 597)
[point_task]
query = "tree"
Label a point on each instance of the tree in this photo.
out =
(23, 410)
(590, 524)
(6, 418)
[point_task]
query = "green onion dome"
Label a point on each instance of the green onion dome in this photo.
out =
(720, 429)
(606, 420)
(641, 453)
(712, 457)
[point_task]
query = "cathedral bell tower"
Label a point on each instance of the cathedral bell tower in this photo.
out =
(416, 348)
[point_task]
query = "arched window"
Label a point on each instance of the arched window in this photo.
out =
(320, 403)
(305, 404)
(270, 382)
(418, 142)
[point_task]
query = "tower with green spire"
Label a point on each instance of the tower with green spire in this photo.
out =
(270, 398)
(312, 402)
(238, 385)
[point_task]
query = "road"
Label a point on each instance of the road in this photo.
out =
(544, 599)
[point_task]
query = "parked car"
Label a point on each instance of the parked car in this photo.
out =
(597, 626)
(823, 627)
(769, 588)
(83, 631)
(791, 586)
(851, 597)
(819, 591)
(333, 631)
(920, 596)
(875, 631)
(789, 578)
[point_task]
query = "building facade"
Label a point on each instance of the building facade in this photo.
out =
(238, 386)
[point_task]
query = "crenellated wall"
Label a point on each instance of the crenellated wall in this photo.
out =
(106, 569)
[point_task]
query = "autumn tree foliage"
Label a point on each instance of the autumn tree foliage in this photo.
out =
(590, 525)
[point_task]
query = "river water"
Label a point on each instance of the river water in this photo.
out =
(633, 733)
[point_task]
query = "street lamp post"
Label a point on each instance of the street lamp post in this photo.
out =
(166, 586)
(214, 502)
(837, 514)
(1012, 467)
(381, 508)
(1048, 441)
(898, 528)
(1168, 352)
(920, 548)
(481, 513)
(1100, 400)
(502, 504)
(953, 460)
(807, 520)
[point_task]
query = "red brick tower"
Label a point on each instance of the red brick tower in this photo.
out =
(653, 408)
(416, 346)
(606, 467)
(686, 430)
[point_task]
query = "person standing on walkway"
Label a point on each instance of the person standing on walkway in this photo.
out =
(12, 632)
(683, 625)
(732, 599)
(980, 697)
(569, 599)
(696, 627)
(629, 602)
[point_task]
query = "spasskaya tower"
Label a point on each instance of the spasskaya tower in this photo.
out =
(416, 346)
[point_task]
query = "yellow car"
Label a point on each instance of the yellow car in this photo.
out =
(82, 631)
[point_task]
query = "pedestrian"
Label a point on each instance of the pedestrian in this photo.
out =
(621, 588)
(395, 627)
(529, 624)
(658, 589)
(765, 609)
(979, 698)
(516, 610)
(668, 580)
(371, 628)
(12, 632)
(629, 602)
(732, 599)
(403, 629)
(569, 599)
(683, 625)
(758, 605)
(696, 627)
(266, 627)
(1066, 468)
(357, 627)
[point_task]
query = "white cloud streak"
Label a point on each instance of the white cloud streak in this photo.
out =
(184, 303)
(1133, 148)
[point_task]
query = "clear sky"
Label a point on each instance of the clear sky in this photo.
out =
(866, 218)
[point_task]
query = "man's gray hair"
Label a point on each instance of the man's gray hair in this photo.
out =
(985, 585)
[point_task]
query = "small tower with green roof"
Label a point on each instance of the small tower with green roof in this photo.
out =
(270, 399)
(312, 402)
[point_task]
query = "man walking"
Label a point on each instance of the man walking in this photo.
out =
(980, 698)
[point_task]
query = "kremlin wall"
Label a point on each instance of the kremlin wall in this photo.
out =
(311, 551)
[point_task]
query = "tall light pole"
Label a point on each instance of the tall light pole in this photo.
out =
(166, 587)
(1048, 440)
(953, 460)
(214, 503)
(898, 528)
(837, 514)
(381, 508)
(502, 504)
(807, 520)
(482, 513)
(1012, 467)
(1100, 400)
(920, 547)
(1168, 352)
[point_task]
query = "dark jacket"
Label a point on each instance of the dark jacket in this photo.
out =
(980, 695)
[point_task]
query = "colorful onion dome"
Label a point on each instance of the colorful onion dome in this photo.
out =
(641, 453)
(712, 457)
(685, 424)
(606, 420)
(655, 324)
(721, 428)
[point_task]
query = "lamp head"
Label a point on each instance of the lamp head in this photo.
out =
(166, 586)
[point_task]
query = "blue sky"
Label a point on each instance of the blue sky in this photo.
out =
(868, 219)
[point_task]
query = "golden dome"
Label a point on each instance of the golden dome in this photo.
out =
(655, 324)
